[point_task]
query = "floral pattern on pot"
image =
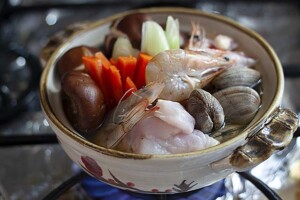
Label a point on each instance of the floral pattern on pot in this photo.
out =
(92, 167)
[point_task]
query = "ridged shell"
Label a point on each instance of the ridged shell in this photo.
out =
(237, 76)
(206, 110)
(240, 103)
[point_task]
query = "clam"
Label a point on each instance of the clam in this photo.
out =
(240, 103)
(237, 76)
(227, 132)
(206, 110)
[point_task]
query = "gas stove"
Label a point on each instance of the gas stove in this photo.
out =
(33, 166)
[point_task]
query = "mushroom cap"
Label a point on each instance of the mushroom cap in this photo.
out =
(83, 101)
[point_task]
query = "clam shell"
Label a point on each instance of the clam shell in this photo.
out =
(206, 110)
(237, 76)
(227, 132)
(240, 103)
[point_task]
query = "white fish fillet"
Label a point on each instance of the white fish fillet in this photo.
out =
(173, 133)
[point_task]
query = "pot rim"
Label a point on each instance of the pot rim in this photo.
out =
(247, 131)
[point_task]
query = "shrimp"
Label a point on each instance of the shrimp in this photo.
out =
(126, 115)
(223, 47)
(198, 39)
(182, 71)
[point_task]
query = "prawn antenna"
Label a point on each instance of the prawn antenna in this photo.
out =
(135, 94)
(122, 98)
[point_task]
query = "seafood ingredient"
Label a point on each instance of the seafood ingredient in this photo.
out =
(169, 130)
(236, 76)
(240, 103)
(223, 47)
(235, 58)
(83, 101)
(206, 110)
(182, 71)
(224, 42)
(126, 115)
(174, 114)
(227, 132)
(198, 39)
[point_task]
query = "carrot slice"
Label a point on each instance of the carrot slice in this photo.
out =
(129, 87)
(127, 66)
(115, 83)
(104, 60)
(113, 61)
(98, 69)
(93, 67)
(140, 73)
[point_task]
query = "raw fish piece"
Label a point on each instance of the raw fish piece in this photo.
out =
(170, 134)
(175, 114)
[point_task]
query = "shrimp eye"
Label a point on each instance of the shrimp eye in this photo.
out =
(226, 58)
(196, 37)
(153, 104)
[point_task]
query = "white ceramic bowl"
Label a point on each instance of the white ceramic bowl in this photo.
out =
(271, 129)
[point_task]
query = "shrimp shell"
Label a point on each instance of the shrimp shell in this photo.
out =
(182, 71)
(126, 115)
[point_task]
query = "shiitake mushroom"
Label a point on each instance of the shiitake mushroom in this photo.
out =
(83, 101)
(72, 59)
(131, 26)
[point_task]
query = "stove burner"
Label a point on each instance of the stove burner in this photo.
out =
(99, 190)
(19, 76)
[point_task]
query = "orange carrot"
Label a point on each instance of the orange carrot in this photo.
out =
(93, 67)
(98, 69)
(104, 60)
(115, 83)
(140, 73)
(129, 87)
(113, 61)
(126, 65)
(105, 79)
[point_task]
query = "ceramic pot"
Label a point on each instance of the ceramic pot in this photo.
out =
(271, 129)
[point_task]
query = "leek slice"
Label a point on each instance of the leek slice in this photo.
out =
(172, 32)
(123, 47)
(153, 38)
